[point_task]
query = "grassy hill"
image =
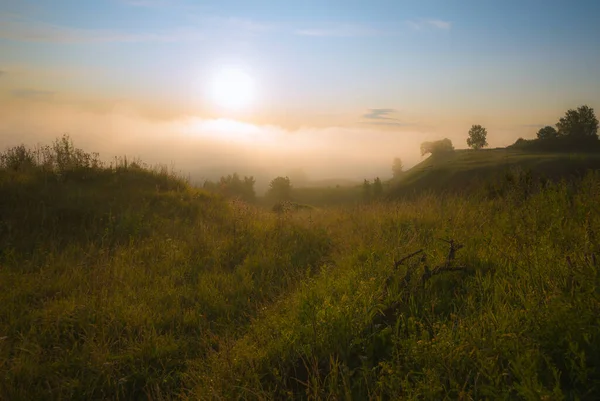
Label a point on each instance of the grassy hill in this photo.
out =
(463, 170)
(125, 283)
(115, 279)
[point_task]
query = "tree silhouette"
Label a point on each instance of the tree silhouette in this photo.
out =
(477, 137)
(580, 123)
(397, 167)
(377, 188)
(547, 132)
(232, 186)
(366, 191)
(437, 147)
(280, 189)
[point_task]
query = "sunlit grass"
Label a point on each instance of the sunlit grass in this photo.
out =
(125, 283)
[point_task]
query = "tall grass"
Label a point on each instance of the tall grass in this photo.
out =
(127, 283)
(521, 323)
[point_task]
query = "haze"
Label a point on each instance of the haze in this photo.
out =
(335, 88)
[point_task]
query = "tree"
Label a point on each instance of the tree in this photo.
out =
(579, 123)
(477, 137)
(437, 147)
(17, 158)
(248, 193)
(366, 191)
(397, 167)
(232, 186)
(280, 189)
(547, 132)
(377, 188)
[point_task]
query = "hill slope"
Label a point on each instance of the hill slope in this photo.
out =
(465, 169)
(115, 280)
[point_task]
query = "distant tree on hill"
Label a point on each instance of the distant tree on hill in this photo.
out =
(580, 123)
(280, 189)
(437, 147)
(397, 167)
(547, 132)
(248, 188)
(477, 137)
(366, 191)
(377, 188)
(232, 186)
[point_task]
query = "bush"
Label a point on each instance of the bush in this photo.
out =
(61, 157)
(437, 147)
(17, 158)
(559, 144)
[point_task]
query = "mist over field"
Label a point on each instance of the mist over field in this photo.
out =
(209, 148)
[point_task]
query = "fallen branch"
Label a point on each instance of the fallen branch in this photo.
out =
(404, 259)
(452, 252)
(440, 269)
(427, 273)
(389, 314)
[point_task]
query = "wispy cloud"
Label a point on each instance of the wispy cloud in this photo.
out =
(32, 94)
(144, 3)
(382, 117)
(439, 24)
(379, 114)
(23, 30)
(238, 24)
(340, 31)
(388, 123)
(421, 24)
(2, 73)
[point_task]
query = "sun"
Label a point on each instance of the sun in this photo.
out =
(232, 88)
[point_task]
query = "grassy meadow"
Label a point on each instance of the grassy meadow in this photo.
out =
(467, 169)
(123, 282)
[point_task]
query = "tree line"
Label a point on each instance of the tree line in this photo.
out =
(235, 187)
(577, 126)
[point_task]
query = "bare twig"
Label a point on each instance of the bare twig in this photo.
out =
(389, 314)
(453, 248)
(404, 259)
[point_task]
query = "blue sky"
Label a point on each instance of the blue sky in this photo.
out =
(435, 66)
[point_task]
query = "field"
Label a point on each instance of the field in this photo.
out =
(122, 282)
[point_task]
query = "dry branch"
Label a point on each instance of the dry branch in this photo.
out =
(427, 274)
(404, 259)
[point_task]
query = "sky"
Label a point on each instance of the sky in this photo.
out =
(338, 87)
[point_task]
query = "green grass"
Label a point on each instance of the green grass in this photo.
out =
(463, 170)
(522, 323)
(126, 283)
(113, 284)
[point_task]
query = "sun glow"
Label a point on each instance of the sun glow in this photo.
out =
(232, 89)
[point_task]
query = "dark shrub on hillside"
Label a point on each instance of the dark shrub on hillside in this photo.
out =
(437, 147)
(559, 144)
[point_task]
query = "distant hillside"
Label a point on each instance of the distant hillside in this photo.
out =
(462, 169)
